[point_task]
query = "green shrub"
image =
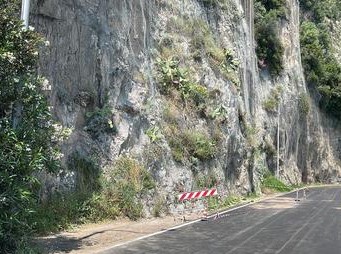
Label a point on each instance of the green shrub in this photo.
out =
(273, 100)
(63, 210)
(59, 212)
(270, 104)
(304, 104)
(27, 133)
(197, 93)
(319, 10)
(199, 145)
(189, 143)
(177, 148)
(170, 74)
(100, 121)
(211, 3)
(203, 44)
(27, 247)
(219, 113)
(273, 4)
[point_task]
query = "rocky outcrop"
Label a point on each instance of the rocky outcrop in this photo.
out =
(102, 65)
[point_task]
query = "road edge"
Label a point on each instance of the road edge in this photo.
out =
(222, 212)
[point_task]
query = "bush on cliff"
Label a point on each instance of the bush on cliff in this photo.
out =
(322, 69)
(26, 129)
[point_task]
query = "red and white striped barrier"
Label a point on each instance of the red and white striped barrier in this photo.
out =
(198, 194)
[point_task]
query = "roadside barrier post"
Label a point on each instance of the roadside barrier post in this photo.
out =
(196, 195)
(297, 196)
(304, 193)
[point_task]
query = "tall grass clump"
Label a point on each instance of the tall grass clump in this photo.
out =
(270, 182)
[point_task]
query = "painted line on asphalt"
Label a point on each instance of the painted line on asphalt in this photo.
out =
(150, 235)
(195, 221)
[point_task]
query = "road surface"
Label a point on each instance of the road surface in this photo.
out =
(279, 225)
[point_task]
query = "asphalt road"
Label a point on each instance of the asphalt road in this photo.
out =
(280, 225)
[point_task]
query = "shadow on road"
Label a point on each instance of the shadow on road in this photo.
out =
(65, 244)
(58, 244)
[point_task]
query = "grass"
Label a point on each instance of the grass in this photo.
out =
(159, 207)
(270, 182)
(190, 143)
(127, 182)
(119, 195)
(171, 114)
(60, 213)
(206, 181)
(217, 204)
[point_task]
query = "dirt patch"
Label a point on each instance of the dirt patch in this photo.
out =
(94, 238)
(276, 203)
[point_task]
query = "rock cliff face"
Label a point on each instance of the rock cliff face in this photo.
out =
(103, 64)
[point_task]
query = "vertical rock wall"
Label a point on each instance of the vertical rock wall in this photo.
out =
(102, 55)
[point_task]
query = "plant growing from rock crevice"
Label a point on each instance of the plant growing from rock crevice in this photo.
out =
(206, 181)
(304, 104)
(204, 45)
(154, 134)
(273, 100)
(172, 76)
(99, 122)
(190, 143)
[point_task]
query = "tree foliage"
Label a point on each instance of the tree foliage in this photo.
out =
(322, 69)
(26, 129)
(319, 10)
(270, 50)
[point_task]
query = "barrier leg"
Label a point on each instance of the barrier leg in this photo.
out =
(205, 213)
(217, 216)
